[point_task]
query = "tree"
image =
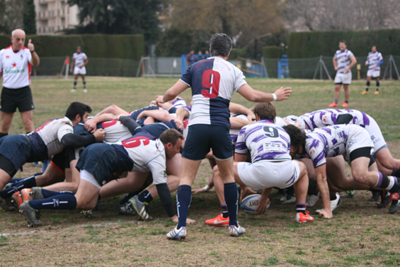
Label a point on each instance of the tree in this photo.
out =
(244, 19)
(118, 17)
(343, 14)
(29, 17)
(10, 15)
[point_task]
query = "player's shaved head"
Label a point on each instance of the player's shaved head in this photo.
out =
(17, 32)
(220, 44)
(265, 110)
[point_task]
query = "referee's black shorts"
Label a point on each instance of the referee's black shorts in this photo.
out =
(20, 98)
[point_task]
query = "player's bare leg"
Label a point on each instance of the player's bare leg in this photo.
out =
(87, 195)
(367, 86)
(346, 95)
(386, 159)
(360, 172)
(51, 175)
(6, 119)
(301, 186)
(75, 82)
(132, 182)
(71, 180)
(84, 83)
(337, 91)
(27, 120)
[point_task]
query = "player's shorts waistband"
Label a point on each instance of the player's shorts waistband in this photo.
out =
(21, 88)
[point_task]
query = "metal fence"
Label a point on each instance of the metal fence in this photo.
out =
(305, 68)
(322, 68)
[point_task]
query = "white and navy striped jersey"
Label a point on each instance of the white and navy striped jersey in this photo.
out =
(16, 67)
(343, 59)
(328, 117)
(79, 58)
(115, 131)
(265, 141)
(213, 82)
(51, 134)
(375, 59)
(146, 153)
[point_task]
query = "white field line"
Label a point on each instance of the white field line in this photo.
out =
(72, 227)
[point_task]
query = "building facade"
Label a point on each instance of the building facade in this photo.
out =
(53, 16)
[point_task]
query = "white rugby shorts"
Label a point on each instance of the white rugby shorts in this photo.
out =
(265, 174)
(344, 78)
(374, 73)
(376, 134)
(358, 137)
(78, 70)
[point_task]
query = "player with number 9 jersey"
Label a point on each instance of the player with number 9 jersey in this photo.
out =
(213, 82)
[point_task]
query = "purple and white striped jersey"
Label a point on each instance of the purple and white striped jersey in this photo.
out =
(213, 82)
(343, 59)
(179, 102)
(374, 59)
(265, 141)
(327, 142)
(328, 117)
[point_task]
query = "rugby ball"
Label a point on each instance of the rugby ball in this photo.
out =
(250, 203)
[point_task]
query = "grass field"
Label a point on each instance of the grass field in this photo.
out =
(358, 235)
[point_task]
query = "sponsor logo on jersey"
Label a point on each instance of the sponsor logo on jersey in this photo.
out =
(324, 118)
(312, 151)
(13, 71)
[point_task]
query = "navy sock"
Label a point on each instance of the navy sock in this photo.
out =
(346, 101)
(301, 207)
(62, 201)
(15, 180)
(332, 196)
(335, 100)
(126, 198)
(84, 84)
(47, 193)
(75, 82)
(224, 211)
(231, 199)
(367, 87)
(183, 199)
(23, 183)
(377, 86)
(145, 196)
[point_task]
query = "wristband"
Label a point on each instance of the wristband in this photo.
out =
(206, 188)
(274, 96)
(32, 51)
(162, 100)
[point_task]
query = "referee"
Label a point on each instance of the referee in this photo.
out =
(16, 63)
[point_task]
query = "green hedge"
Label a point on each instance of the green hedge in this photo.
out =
(272, 52)
(237, 52)
(314, 44)
(94, 45)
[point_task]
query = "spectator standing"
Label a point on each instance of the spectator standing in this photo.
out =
(16, 63)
